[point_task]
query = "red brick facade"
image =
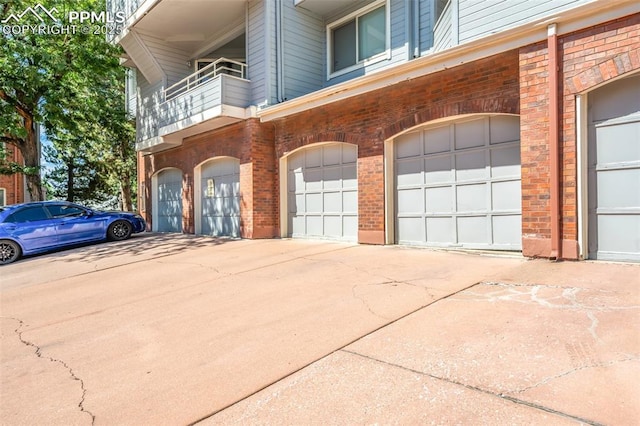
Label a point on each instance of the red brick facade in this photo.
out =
(588, 59)
(513, 82)
(13, 185)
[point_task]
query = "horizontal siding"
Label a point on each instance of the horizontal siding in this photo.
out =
(148, 108)
(235, 92)
(425, 27)
(479, 18)
(442, 31)
(195, 101)
(173, 61)
(256, 57)
(303, 52)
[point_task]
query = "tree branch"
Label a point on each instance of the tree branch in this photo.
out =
(20, 108)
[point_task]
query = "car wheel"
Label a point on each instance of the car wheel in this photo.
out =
(9, 251)
(119, 230)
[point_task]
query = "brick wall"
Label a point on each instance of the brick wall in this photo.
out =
(588, 59)
(246, 141)
(13, 184)
(485, 86)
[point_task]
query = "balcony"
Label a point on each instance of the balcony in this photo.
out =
(212, 97)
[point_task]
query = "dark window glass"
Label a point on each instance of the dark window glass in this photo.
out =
(63, 210)
(344, 46)
(28, 214)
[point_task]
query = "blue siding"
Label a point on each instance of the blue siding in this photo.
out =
(148, 108)
(256, 55)
(303, 51)
(479, 18)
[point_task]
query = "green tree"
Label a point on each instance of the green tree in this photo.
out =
(59, 81)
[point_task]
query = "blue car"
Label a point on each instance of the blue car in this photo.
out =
(32, 228)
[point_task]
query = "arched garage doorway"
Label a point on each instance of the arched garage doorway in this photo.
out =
(319, 196)
(456, 183)
(167, 200)
(217, 201)
(613, 171)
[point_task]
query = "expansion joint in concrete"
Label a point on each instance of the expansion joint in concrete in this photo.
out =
(478, 389)
(39, 354)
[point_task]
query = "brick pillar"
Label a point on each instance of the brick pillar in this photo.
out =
(371, 199)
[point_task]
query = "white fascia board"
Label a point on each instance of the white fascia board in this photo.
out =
(590, 14)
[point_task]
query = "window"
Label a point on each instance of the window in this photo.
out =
(358, 37)
(65, 210)
(29, 214)
(3, 197)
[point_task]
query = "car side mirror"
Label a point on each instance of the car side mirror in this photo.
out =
(88, 213)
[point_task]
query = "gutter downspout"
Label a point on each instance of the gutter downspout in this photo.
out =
(279, 54)
(554, 144)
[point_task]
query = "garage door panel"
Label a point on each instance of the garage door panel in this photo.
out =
(469, 134)
(411, 229)
(439, 200)
(314, 226)
(619, 188)
(410, 172)
(332, 177)
(440, 230)
(313, 179)
(438, 170)
(505, 162)
(473, 230)
(618, 143)
(409, 145)
(410, 201)
(322, 196)
(332, 225)
(503, 129)
(350, 202)
(313, 158)
(471, 186)
(350, 227)
(506, 195)
(471, 166)
(437, 140)
(506, 230)
(471, 198)
(313, 202)
(332, 202)
(612, 227)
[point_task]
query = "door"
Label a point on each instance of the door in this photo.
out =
(220, 198)
(458, 184)
(74, 224)
(32, 227)
(322, 192)
(614, 171)
(169, 201)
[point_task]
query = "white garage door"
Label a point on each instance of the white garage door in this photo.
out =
(458, 184)
(614, 171)
(169, 201)
(220, 198)
(323, 192)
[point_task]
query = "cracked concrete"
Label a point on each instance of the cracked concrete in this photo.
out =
(301, 332)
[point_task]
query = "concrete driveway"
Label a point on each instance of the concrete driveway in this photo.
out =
(177, 329)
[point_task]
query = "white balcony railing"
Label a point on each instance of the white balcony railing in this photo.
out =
(220, 66)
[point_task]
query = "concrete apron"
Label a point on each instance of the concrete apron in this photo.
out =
(289, 331)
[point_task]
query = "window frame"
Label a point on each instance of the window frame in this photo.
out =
(385, 55)
(3, 196)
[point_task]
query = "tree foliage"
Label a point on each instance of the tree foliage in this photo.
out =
(72, 85)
